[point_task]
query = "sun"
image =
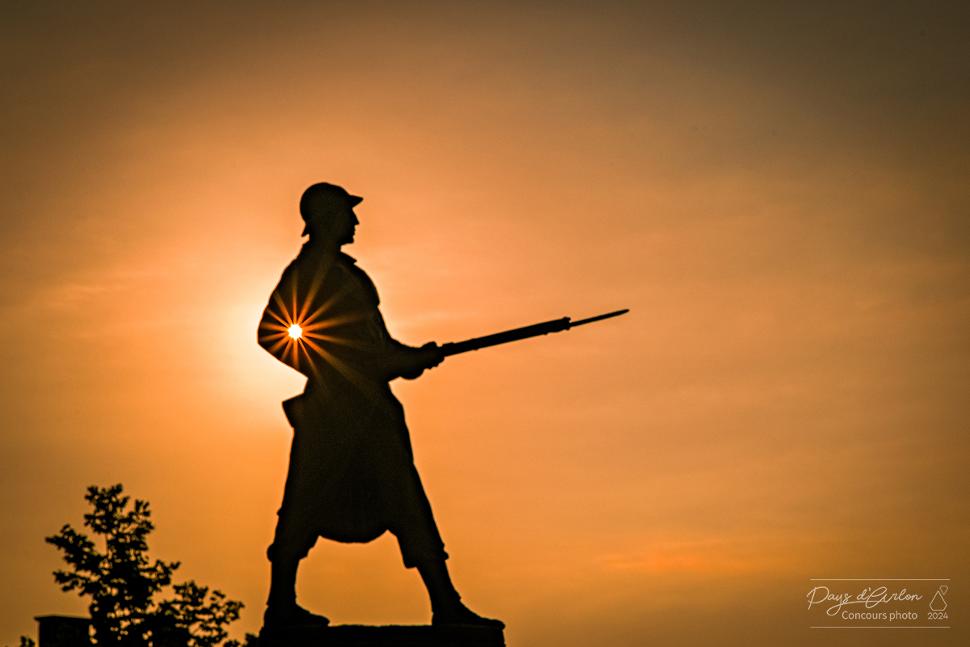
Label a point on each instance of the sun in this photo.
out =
(294, 334)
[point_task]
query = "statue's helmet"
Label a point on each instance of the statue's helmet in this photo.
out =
(323, 200)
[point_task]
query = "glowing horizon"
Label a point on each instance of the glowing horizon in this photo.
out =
(778, 193)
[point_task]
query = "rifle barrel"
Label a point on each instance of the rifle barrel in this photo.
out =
(525, 332)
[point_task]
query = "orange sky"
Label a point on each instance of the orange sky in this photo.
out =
(778, 194)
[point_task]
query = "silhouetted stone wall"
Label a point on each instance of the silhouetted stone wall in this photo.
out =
(63, 631)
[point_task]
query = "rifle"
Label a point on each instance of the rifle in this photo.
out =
(525, 332)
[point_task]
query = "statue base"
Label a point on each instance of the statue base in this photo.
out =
(387, 636)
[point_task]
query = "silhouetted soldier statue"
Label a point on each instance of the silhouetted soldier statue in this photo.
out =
(351, 472)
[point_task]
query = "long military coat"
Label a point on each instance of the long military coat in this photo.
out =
(351, 475)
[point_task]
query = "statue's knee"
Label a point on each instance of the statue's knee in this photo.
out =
(283, 553)
(277, 553)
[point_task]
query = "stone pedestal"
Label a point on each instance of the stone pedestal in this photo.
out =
(387, 636)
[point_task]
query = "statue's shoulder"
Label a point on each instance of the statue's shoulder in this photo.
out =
(310, 263)
(327, 272)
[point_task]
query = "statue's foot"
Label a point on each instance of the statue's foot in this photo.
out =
(279, 617)
(462, 615)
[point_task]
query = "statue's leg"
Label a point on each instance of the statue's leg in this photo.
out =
(437, 580)
(292, 541)
(282, 611)
(294, 537)
(282, 581)
(422, 547)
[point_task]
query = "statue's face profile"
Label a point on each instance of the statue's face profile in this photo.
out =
(338, 226)
(345, 226)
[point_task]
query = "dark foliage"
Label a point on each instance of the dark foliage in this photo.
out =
(132, 600)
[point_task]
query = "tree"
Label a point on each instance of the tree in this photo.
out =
(125, 586)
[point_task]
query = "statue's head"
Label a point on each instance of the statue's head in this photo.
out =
(328, 211)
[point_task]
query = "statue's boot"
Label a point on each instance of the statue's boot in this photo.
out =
(459, 614)
(282, 611)
(280, 617)
(446, 605)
